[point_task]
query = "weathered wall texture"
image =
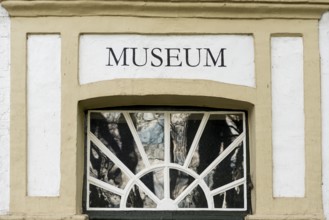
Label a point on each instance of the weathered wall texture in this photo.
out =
(4, 109)
(70, 199)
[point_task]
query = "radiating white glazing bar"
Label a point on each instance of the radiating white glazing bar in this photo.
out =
(111, 155)
(122, 166)
(212, 166)
(196, 139)
(106, 186)
(137, 139)
(288, 117)
(44, 114)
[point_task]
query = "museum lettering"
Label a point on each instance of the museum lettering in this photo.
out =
(166, 57)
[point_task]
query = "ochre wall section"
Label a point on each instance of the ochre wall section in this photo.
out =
(124, 92)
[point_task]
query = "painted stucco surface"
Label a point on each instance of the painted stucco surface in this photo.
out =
(324, 52)
(4, 109)
(288, 117)
(167, 58)
(93, 24)
(44, 110)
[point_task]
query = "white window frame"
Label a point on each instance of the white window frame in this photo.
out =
(135, 178)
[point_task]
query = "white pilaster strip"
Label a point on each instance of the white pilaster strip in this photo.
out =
(44, 114)
(288, 117)
(324, 52)
(4, 110)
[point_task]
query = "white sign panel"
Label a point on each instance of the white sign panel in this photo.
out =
(221, 58)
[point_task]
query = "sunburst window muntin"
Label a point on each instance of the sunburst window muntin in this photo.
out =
(159, 160)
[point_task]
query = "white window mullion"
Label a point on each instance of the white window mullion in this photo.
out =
(163, 162)
(209, 197)
(223, 155)
(245, 163)
(88, 162)
(147, 191)
(110, 155)
(117, 162)
(167, 155)
(196, 139)
(228, 186)
(106, 186)
(137, 139)
(186, 191)
(125, 196)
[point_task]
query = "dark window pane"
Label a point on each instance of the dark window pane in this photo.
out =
(154, 181)
(179, 181)
(138, 199)
(113, 131)
(101, 198)
(150, 129)
(183, 127)
(102, 168)
(195, 199)
(228, 170)
(220, 131)
(233, 198)
(125, 148)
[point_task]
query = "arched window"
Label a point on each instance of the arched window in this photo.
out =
(168, 160)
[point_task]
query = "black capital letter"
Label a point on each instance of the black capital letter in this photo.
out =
(187, 57)
(220, 54)
(169, 56)
(116, 60)
(134, 56)
(157, 56)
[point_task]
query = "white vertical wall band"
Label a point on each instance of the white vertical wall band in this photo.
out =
(4, 110)
(288, 117)
(44, 118)
(324, 52)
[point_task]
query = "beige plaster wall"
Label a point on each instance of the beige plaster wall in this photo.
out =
(76, 99)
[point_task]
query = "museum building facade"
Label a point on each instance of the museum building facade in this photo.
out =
(164, 109)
